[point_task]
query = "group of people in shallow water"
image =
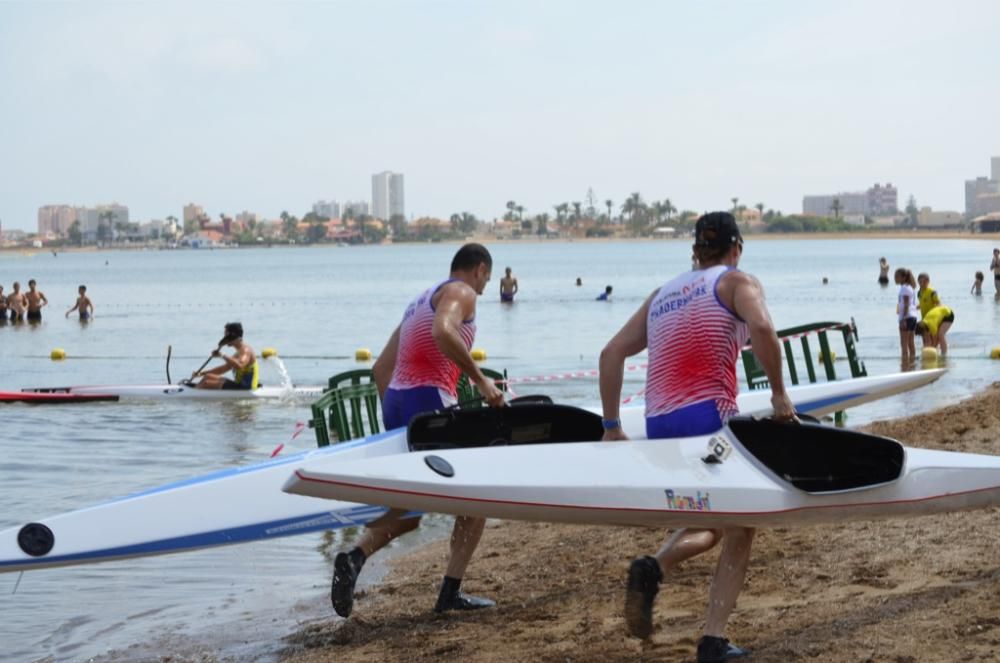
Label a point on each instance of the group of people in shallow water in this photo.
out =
(509, 287)
(919, 310)
(19, 306)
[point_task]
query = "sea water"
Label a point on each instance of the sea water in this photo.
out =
(316, 306)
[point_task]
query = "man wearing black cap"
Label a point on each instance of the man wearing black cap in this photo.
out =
(694, 327)
(243, 363)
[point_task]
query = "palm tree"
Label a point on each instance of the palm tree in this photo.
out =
(668, 208)
(760, 209)
(609, 203)
(735, 204)
(561, 210)
(635, 208)
(577, 209)
(105, 232)
(520, 212)
(511, 206)
(835, 207)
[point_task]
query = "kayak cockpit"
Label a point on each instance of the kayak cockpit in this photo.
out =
(820, 459)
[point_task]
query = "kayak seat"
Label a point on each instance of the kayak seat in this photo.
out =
(529, 422)
(820, 459)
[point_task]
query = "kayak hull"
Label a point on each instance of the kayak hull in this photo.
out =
(213, 509)
(653, 483)
(168, 392)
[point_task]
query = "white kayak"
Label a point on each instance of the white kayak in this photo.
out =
(752, 473)
(161, 392)
(245, 504)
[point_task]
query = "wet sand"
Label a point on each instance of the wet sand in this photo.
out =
(923, 589)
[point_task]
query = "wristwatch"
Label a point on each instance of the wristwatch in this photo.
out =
(611, 424)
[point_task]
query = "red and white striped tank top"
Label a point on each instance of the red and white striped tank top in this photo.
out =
(419, 361)
(694, 341)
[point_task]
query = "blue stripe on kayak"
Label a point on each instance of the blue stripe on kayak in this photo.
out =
(826, 402)
(321, 520)
(275, 462)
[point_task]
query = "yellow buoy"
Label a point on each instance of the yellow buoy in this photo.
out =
(929, 354)
(362, 354)
(267, 353)
(58, 354)
(995, 353)
(479, 354)
(833, 356)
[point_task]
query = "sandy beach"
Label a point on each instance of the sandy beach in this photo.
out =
(925, 589)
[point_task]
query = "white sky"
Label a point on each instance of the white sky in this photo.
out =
(272, 106)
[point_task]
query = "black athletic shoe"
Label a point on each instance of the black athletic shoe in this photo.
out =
(644, 576)
(345, 575)
(715, 650)
(462, 601)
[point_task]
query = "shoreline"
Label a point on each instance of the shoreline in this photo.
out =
(921, 589)
(489, 239)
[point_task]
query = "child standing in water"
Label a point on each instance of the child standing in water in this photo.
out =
(977, 285)
(83, 305)
(883, 271)
(907, 314)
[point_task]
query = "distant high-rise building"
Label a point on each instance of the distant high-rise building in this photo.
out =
(328, 208)
(877, 200)
(882, 200)
(850, 203)
(55, 219)
(387, 195)
(192, 212)
(355, 208)
(974, 189)
(995, 168)
(92, 219)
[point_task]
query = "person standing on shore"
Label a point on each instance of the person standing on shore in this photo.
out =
(694, 327)
(907, 314)
(418, 371)
(83, 305)
(16, 303)
(508, 287)
(36, 300)
(883, 271)
(995, 268)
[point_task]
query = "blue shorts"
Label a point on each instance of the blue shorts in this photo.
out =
(401, 405)
(697, 419)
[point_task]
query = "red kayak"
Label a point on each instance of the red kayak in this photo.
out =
(41, 398)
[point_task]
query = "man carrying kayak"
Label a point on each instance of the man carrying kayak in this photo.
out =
(694, 327)
(418, 371)
(243, 363)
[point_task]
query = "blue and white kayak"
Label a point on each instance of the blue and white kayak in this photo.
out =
(245, 504)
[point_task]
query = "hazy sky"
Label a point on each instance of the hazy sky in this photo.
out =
(272, 106)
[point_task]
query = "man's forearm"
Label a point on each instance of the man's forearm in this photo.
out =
(767, 349)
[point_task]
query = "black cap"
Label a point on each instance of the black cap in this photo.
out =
(234, 330)
(717, 230)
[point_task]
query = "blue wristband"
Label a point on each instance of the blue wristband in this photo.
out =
(611, 424)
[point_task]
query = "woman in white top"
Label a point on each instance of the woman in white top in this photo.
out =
(907, 314)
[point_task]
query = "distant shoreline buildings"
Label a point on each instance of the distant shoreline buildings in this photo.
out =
(878, 200)
(982, 194)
